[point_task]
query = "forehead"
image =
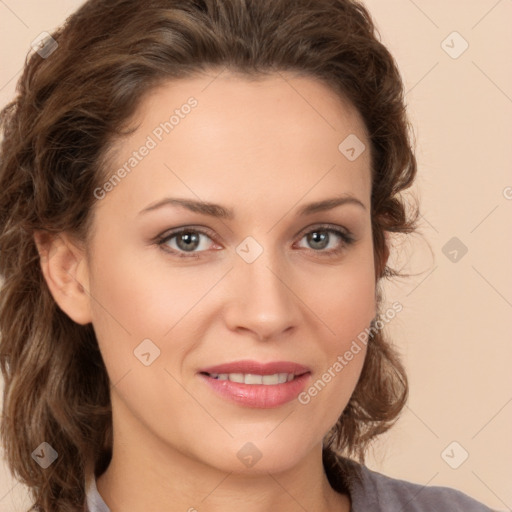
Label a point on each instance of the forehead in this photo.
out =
(282, 104)
(219, 133)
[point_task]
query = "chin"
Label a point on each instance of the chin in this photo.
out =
(259, 456)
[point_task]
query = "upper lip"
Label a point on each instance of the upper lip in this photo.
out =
(257, 368)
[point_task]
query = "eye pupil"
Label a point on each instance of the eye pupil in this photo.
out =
(318, 237)
(190, 239)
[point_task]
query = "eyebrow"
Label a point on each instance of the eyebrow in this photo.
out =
(221, 212)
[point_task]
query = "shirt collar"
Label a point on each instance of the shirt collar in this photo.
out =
(95, 502)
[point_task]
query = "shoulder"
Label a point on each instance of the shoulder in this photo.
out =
(373, 491)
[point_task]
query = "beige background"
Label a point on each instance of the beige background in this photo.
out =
(455, 329)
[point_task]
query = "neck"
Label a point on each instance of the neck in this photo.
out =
(146, 489)
(151, 475)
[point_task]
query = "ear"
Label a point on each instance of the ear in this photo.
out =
(65, 270)
(386, 251)
(381, 264)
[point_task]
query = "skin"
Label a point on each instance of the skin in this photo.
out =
(263, 149)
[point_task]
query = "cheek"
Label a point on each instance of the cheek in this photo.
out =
(136, 296)
(123, 303)
(344, 300)
(347, 303)
(343, 297)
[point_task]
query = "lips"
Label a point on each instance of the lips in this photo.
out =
(257, 385)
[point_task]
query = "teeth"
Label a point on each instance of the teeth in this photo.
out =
(236, 377)
(251, 378)
(271, 379)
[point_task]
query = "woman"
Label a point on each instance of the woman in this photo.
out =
(195, 203)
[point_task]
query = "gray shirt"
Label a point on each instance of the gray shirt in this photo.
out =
(369, 491)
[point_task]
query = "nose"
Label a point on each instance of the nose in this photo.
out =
(263, 302)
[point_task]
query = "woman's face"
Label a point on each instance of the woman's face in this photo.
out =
(261, 279)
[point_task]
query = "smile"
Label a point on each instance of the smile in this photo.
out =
(257, 385)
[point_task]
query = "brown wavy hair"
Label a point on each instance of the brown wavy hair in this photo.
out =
(71, 105)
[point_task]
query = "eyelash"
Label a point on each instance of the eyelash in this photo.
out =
(346, 237)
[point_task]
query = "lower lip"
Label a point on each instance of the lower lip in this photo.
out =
(260, 396)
